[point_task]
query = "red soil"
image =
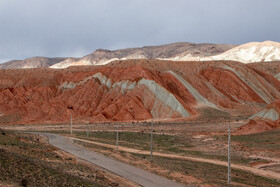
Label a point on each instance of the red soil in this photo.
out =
(34, 96)
(257, 124)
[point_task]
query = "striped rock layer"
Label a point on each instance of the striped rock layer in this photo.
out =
(139, 90)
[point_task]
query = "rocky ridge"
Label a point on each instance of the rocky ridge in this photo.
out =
(138, 90)
(103, 56)
(34, 62)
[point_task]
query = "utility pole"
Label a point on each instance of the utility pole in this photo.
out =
(229, 169)
(156, 115)
(117, 140)
(152, 137)
(71, 124)
(87, 129)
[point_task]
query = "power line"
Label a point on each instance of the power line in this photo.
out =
(87, 129)
(117, 140)
(153, 114)
(151, 148)
(71, 124)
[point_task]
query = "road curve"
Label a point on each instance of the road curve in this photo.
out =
(137, 175)
(256, 171)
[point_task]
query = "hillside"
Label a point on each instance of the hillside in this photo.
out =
(102, 56)
(267, 51)
(264, 120)
(251, 52)
(137, 90)
(34, 62)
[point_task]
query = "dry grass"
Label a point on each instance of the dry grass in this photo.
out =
(26, 160)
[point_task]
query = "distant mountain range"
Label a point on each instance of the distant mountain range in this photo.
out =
(102, 56)
(246, 53)
(145, 88)
(34, 62)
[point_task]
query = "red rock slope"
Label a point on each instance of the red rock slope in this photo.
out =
(265, 120)
(136, 90)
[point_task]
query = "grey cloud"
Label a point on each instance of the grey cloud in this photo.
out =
(78, 27)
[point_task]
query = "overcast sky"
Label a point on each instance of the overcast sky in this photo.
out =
(78, 27)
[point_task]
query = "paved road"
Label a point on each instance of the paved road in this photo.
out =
(256, 171)
(129, 172)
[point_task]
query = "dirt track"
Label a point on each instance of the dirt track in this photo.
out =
(129, 172)
(256, 171)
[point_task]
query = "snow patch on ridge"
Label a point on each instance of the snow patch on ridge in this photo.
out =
(66, 64)
(70, 62)
(104, 62)
(85, 62)
(251, 52)
(246, 53)
(187, 57)
(271, 114)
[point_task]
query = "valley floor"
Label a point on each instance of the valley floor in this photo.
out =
(257, 153)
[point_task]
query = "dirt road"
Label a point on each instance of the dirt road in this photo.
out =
(129, 172)
(256, 171)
